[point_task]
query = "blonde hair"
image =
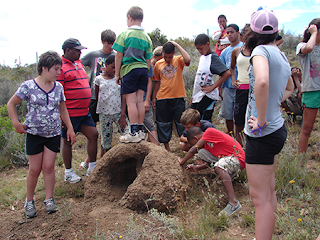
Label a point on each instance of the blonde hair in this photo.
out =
(190, 116)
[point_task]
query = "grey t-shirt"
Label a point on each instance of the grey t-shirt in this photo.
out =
(95, 60)
(279, 73)
(310, 64)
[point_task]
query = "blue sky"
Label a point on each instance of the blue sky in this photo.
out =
(34, 26)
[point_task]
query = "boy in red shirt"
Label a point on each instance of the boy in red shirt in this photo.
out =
(221, 150)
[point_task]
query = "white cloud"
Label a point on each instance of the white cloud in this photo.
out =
(34, 26)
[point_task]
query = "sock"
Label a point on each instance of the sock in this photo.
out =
(140, 126)
(91, 166)
(134, 128)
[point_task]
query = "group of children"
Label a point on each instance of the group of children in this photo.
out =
(125, 83)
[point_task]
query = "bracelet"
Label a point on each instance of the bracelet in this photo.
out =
(260, 128)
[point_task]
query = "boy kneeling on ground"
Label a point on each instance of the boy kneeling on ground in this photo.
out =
(227, 155)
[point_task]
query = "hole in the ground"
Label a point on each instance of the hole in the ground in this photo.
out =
(125, 173)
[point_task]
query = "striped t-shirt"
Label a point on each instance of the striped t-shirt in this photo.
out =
(76, 87)
(136, 47)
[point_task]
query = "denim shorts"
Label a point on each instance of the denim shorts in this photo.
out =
(227, 105)
(77, 122)
(134, 80)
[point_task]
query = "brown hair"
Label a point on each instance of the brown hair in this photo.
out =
(190, 116)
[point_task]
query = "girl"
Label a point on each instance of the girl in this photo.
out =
(110, 107)
(45, 99)
(269, 75)
(309, 56)
(240, 57)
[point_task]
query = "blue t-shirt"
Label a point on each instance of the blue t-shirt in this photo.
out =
(279, 73)
(226, 59)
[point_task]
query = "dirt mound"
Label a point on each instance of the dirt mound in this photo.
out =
(141, 176)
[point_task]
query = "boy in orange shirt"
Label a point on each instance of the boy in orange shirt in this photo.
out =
(169, 91)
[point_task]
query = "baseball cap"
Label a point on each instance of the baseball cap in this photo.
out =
(264, 22)
(72, 43)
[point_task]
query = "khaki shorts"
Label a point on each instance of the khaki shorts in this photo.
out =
(230, 164)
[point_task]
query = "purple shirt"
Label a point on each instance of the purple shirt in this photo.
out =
(43, 117)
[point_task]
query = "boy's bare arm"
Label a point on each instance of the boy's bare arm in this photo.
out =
(155, 91)
(234, 56)
(193, 150)
(185, 55)
(183, 139)
(218, 83)
(117, 63)
(11, 107)
(289, 89)
(96, 91)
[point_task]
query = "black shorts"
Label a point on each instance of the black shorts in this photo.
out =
(35, 144)
(93, 110)
(261, 150)
(205, 107)
(240, 106)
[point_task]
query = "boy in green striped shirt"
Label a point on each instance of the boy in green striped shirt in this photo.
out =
(132, 63)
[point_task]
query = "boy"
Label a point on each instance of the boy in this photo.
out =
(220, 36)
(133, 58)
(169, 91)
(191, 118)
(78, 94)
(95, 60)
(224, 152)
(228, 90)
(205, 90)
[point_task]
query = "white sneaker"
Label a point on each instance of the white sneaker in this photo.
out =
(130, 138)
(143, 135)
(71, 177)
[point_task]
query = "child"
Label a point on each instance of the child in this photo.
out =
(191, 118)
(169, 91)
(45, 100)
(205, 90)
(309, 56)
(240, 58)
(133, 58)
(269, 80)
(220, 36)
(224, 152)
(109, 104)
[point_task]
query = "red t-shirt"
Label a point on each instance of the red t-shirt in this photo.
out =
(220, 144)
(76, 87)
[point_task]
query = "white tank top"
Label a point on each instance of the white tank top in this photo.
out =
(243, 67)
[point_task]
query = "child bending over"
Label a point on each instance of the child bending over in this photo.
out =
(227, 155)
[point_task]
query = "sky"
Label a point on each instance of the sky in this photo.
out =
(33, 27)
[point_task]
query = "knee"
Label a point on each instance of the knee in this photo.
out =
(47, 169)
(306, 130)
(185, 146)
(257, 198)
(93, 136)
(34, 172)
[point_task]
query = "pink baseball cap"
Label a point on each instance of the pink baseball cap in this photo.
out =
(264, 22)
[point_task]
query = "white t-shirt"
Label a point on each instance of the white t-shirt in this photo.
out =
(109, 99)
(310, 64)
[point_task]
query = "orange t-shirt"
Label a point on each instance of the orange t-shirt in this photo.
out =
(170, 77)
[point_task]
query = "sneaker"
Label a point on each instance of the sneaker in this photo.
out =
(83, 165)
(71, 177)
(229, 209)
(130, 138)
(30, 209)
(88, 173)
(50, 204)
(143, 135)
